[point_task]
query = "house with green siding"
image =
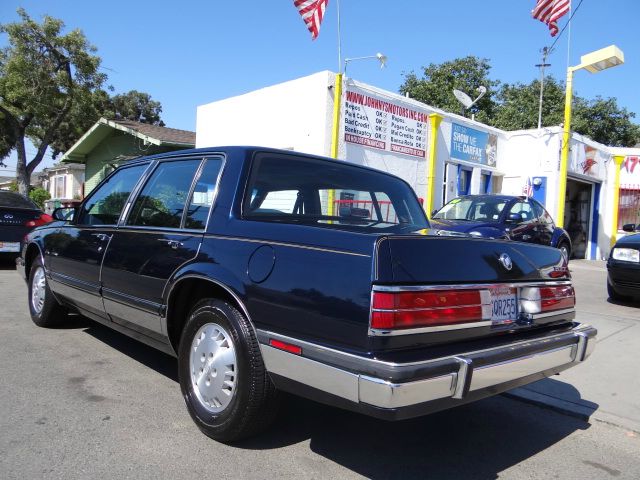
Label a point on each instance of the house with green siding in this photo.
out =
(108, 143)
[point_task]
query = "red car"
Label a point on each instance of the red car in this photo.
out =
(18, 216)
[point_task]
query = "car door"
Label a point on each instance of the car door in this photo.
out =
(523, 222)
(545, 224)
(157, 236)
(75, 250)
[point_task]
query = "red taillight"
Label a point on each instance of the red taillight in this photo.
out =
(426, 309)
(41, 220)
(557, 298)
(287, 347)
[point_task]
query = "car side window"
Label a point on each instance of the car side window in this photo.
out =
(203, 195)
(524, 211)
(104, 205)
(163, 198)
(542, 214)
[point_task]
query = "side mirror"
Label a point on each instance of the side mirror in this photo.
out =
(630, 227)
(514, 218)
(66, 214)
(434, 212)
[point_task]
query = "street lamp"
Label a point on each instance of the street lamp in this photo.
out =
(593, 62)
(381, 58)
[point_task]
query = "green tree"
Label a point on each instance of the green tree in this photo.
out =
(39, 195)
(604, 121)
(435, 86)
(517, 105)
(43, 74)
(136, 106)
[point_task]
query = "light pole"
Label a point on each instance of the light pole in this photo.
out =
(593, 62)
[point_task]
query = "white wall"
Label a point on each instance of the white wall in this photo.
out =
(294, 115)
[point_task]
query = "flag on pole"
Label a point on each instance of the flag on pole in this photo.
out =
(312, 12)
(550, 11)
(528, 188)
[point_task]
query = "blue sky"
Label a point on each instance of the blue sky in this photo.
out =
(193, 52)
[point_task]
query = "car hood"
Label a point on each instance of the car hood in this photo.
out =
(629, 241)
(464, 226)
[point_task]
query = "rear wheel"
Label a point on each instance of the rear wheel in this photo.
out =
(44, 308)
(223, 379)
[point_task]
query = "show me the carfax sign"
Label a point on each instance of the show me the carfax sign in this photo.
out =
(471, 145)
(378, 123)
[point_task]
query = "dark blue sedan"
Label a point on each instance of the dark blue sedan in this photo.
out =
(502, 216)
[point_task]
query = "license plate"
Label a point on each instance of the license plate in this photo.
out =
(504, 305)
(9, 246)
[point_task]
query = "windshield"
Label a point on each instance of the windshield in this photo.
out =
(289, 189)
(15, 200)
(485, 209)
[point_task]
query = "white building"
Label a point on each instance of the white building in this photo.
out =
(440, 154)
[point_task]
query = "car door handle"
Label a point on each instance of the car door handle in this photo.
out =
(103, 237)
(172, 243)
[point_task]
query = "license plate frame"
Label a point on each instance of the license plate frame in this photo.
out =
(504, 305)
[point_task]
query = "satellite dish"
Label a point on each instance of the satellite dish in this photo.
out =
(463, 98)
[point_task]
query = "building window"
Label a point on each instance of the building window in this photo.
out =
(60, 186)
(629, 205)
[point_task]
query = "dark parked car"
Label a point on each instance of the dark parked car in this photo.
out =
(18, 216)
(252, 267)
(520, 219)
(623, 266)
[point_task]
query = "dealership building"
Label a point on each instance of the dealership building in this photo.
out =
(440, 154)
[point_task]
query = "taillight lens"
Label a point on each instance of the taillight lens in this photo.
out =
(427, 309)
(41, 220)
(547, 299)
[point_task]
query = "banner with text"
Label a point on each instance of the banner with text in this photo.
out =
(381, 124)
(471, 145)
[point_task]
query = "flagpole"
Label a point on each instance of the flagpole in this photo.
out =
(339, 39)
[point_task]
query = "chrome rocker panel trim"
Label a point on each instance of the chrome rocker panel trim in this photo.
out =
(456, 384)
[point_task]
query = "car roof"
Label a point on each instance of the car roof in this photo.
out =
(493, 195)
(244, 150)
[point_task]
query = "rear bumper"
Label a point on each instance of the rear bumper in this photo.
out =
(396, 391)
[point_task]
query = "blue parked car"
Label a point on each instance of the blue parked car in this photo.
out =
(502, 216)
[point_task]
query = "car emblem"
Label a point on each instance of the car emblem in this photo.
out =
(506, 262)
(8, 216)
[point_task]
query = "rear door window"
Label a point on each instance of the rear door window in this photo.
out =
(162, 200)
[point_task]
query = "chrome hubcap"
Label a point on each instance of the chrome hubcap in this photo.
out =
(213, 367)
(565, 252)
(38, 290)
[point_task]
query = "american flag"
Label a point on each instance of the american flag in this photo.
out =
(550, 11)
(312, 12)
(528, 188)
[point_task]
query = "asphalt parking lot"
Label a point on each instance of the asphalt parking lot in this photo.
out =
(85, 402)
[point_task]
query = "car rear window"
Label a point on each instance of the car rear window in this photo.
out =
(291, 189)
(15, 200)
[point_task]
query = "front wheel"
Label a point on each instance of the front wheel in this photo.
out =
(564, 250)
(44, 308)
(223, 379)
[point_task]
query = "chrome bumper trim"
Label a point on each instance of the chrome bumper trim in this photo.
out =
(381, 393)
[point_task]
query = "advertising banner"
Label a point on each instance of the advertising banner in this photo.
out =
(587, 160)
(471, 145)
(379, 123)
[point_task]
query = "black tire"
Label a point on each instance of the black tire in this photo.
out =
(613, 295)
(564, 246)
(253, 401)
(47, 313)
